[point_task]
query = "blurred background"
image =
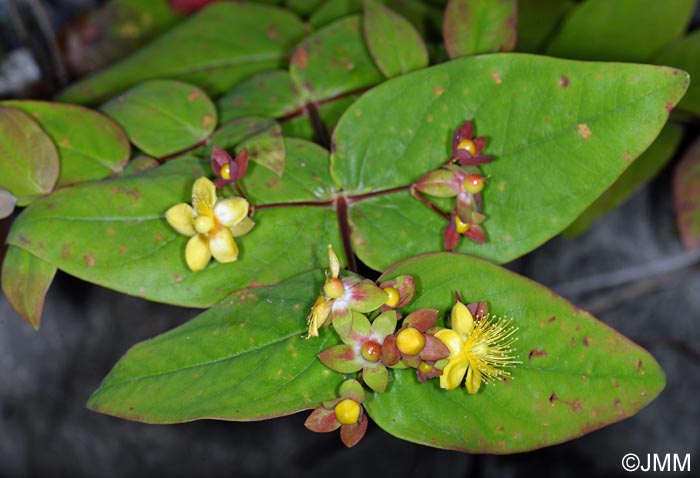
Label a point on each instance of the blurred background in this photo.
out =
(630, 270)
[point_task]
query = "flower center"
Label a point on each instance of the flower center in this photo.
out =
(334, 288)
(410, 341)
(203, 224)
(347, 411)
(392, 296)
(371, 351)
(467, 145)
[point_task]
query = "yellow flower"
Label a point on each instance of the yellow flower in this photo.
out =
(211, 225)
(478, 349)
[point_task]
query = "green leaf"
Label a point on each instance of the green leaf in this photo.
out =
(25, 281)
(306, 177)
(538, 21)
(686, 194)
(472, 27)
(396, 47)
(29, 162)
(576, 374)
(303, 7)
(90, 145)
(685, 54)
(114, 233)
(642, 170)
(215, 49)
(139, 165)
(244, 359)
(623, 30)
(271, 94)
(333, 61)
(163, 117)
(333, 10)
(574, 125)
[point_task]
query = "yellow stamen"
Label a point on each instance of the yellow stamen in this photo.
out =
(460, 226)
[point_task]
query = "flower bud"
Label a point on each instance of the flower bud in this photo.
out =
(347, 411)
(410, 341)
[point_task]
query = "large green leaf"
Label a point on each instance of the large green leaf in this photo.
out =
(622, 30)
(471, 27)
(114, 234)
(397, 48)
(685, 54)
(576, 375)
(163, 117)
(333, 61)
(561, 133)
(216, 49)
(29, 162)
(25, 281)
(90, 145)
(243, 359)
(686, 194)
(642, 170)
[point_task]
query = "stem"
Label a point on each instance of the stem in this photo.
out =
(341, 205)
(360, 197)
(321, 135)
(416, 194)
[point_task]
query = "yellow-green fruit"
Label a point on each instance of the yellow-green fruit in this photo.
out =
(392, 296)
(467, 145)
(334, 288)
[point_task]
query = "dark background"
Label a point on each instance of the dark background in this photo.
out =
(630, 270)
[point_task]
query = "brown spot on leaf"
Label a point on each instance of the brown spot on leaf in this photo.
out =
(628, 157)
(563, 81)
(669, 107)
(429, 118)
(300, 58)
(587, 341)
(207, 121)
(178, 278)
(439, 90)
(553, 398)
(159, 237)
(65, 251)
(534, 353)
(499, 428)
(89, 260)
(640, 367)
(584, 377)
(500, 443)
(551, 319)
(65, 142)
(121, 249)
(583, 131)
(271, 33)
(193, 95)
(496, 77)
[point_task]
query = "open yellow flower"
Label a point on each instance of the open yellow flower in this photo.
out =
(478, 349)
(211, 225)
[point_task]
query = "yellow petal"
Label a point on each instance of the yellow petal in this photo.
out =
(333, 262)
(180, 217)
(231, 211)
(453, 374)
(204, 197)
(451, 339)
(197, 253)
(222, 245)
(462, 320)
(243, 227)
(473, 380)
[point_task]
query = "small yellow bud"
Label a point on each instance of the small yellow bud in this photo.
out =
(226, 172)
(393, 296)
(461, 227)
(203, 224)
(468, 145)
(334, 288)
(425, 367)
(347, 411)
(410, 341)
